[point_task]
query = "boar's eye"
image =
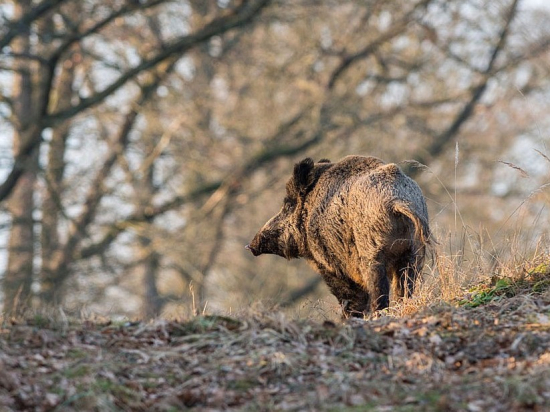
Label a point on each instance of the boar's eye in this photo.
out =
(289, 204)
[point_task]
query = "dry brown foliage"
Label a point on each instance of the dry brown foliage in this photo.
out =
(446, 356)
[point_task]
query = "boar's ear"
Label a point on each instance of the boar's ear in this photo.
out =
(324, 161)
(303, 174)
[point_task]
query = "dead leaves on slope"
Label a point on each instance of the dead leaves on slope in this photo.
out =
(492, 357)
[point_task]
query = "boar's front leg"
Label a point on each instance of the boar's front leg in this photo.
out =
(353, 298)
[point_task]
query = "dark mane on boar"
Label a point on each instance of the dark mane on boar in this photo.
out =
(361, 223)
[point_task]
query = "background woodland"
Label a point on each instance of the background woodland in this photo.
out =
(144, 142)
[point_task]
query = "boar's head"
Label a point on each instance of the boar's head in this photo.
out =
(282, 235)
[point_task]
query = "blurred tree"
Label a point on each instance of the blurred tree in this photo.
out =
(39, 45)
(19, 271)
(192, 117)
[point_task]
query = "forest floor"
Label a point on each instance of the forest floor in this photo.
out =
(489, 351)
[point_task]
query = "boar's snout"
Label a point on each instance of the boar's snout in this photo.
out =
(260, 244)
(274, 238)
(254, 251)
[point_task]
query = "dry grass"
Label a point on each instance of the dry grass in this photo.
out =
(444, 358)
(457, 345)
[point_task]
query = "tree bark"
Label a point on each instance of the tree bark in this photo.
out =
(19, 274)
(152, 301)
(54, 171)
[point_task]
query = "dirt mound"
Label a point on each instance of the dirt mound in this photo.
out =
(449, 357)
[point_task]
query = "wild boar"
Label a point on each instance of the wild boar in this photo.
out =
(361, 223)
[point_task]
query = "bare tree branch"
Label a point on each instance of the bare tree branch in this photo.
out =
(446, 137)
(77, 231)
(31, 144)
(238, 17)
(394, 31)
(16, 27)
(273, 152)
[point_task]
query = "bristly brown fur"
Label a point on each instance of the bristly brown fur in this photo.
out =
(361, 223)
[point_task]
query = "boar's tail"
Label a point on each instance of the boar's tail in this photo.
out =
(421, 227)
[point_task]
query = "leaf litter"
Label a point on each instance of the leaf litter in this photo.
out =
(488, 356)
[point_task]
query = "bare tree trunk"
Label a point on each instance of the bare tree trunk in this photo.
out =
(152, 302)
(55, 168)
(19, 274)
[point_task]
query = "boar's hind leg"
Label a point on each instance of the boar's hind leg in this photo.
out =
(376, 281)
(405, 272)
